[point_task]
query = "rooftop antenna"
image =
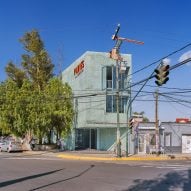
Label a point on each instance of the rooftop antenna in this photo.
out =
(114, 53)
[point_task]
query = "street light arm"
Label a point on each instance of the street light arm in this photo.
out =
(130, 40)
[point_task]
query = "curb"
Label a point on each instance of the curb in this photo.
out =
(153, 158)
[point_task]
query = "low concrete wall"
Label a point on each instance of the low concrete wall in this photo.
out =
(173, 149)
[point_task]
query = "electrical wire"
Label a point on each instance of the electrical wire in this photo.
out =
(159, 60)
(162, 87)
(178, 101)
(178, 110)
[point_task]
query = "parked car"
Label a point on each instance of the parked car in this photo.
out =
(1, 143)
(9, 146)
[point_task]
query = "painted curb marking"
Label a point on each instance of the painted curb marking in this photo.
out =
(74, 157)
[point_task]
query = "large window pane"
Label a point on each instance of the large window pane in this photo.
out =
(109, 103)
(123, 104)
(109, 73)
(109, 77)
(114, 104)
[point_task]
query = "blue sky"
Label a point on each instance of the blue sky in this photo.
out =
(71, 27)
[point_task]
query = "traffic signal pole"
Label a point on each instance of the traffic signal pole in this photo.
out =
(156, 122)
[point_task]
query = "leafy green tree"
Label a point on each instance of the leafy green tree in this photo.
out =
(36, 61)
(32, 101)
(16, 74)
(60, 105)
(24, 101)
(9, 90)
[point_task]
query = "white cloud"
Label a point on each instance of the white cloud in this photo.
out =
(166, 61)
(185, 56)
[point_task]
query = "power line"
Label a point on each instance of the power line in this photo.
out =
(175, 107)
(165, 101)
(159, 60)
(152, 75)
(179, 101)
(162, 87)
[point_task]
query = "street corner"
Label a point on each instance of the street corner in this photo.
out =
(84, 157)
(114, 158)
(154, 158)
(100, 156)
(168, 157)
(149, 158)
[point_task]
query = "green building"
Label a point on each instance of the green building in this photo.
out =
(92, 78)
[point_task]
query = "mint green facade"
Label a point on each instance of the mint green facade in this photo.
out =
(94, 126)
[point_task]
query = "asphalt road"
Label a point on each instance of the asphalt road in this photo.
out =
(21, 172)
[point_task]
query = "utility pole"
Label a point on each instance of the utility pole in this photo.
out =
(156, 122)
(117, 105)
(129, 114)
(114, 54)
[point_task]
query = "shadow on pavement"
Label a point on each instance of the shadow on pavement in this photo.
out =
(76, 176)
(10, 182)
(171, 181)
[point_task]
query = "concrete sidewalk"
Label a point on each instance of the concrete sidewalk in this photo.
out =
(94, 155)
(108, 156)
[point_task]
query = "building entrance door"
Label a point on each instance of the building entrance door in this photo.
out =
(186, 143)
(93, 139)
(86, 138)
(141, 144)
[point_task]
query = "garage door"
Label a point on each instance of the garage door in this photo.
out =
(186, 143)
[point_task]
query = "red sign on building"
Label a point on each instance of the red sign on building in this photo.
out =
(79, 68)
(182, 120)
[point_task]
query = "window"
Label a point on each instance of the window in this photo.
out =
(109, 78)
(111, 104)
(168, 139)
(109, 83)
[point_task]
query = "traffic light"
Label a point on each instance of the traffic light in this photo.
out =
(131, 124)
(162, 75)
